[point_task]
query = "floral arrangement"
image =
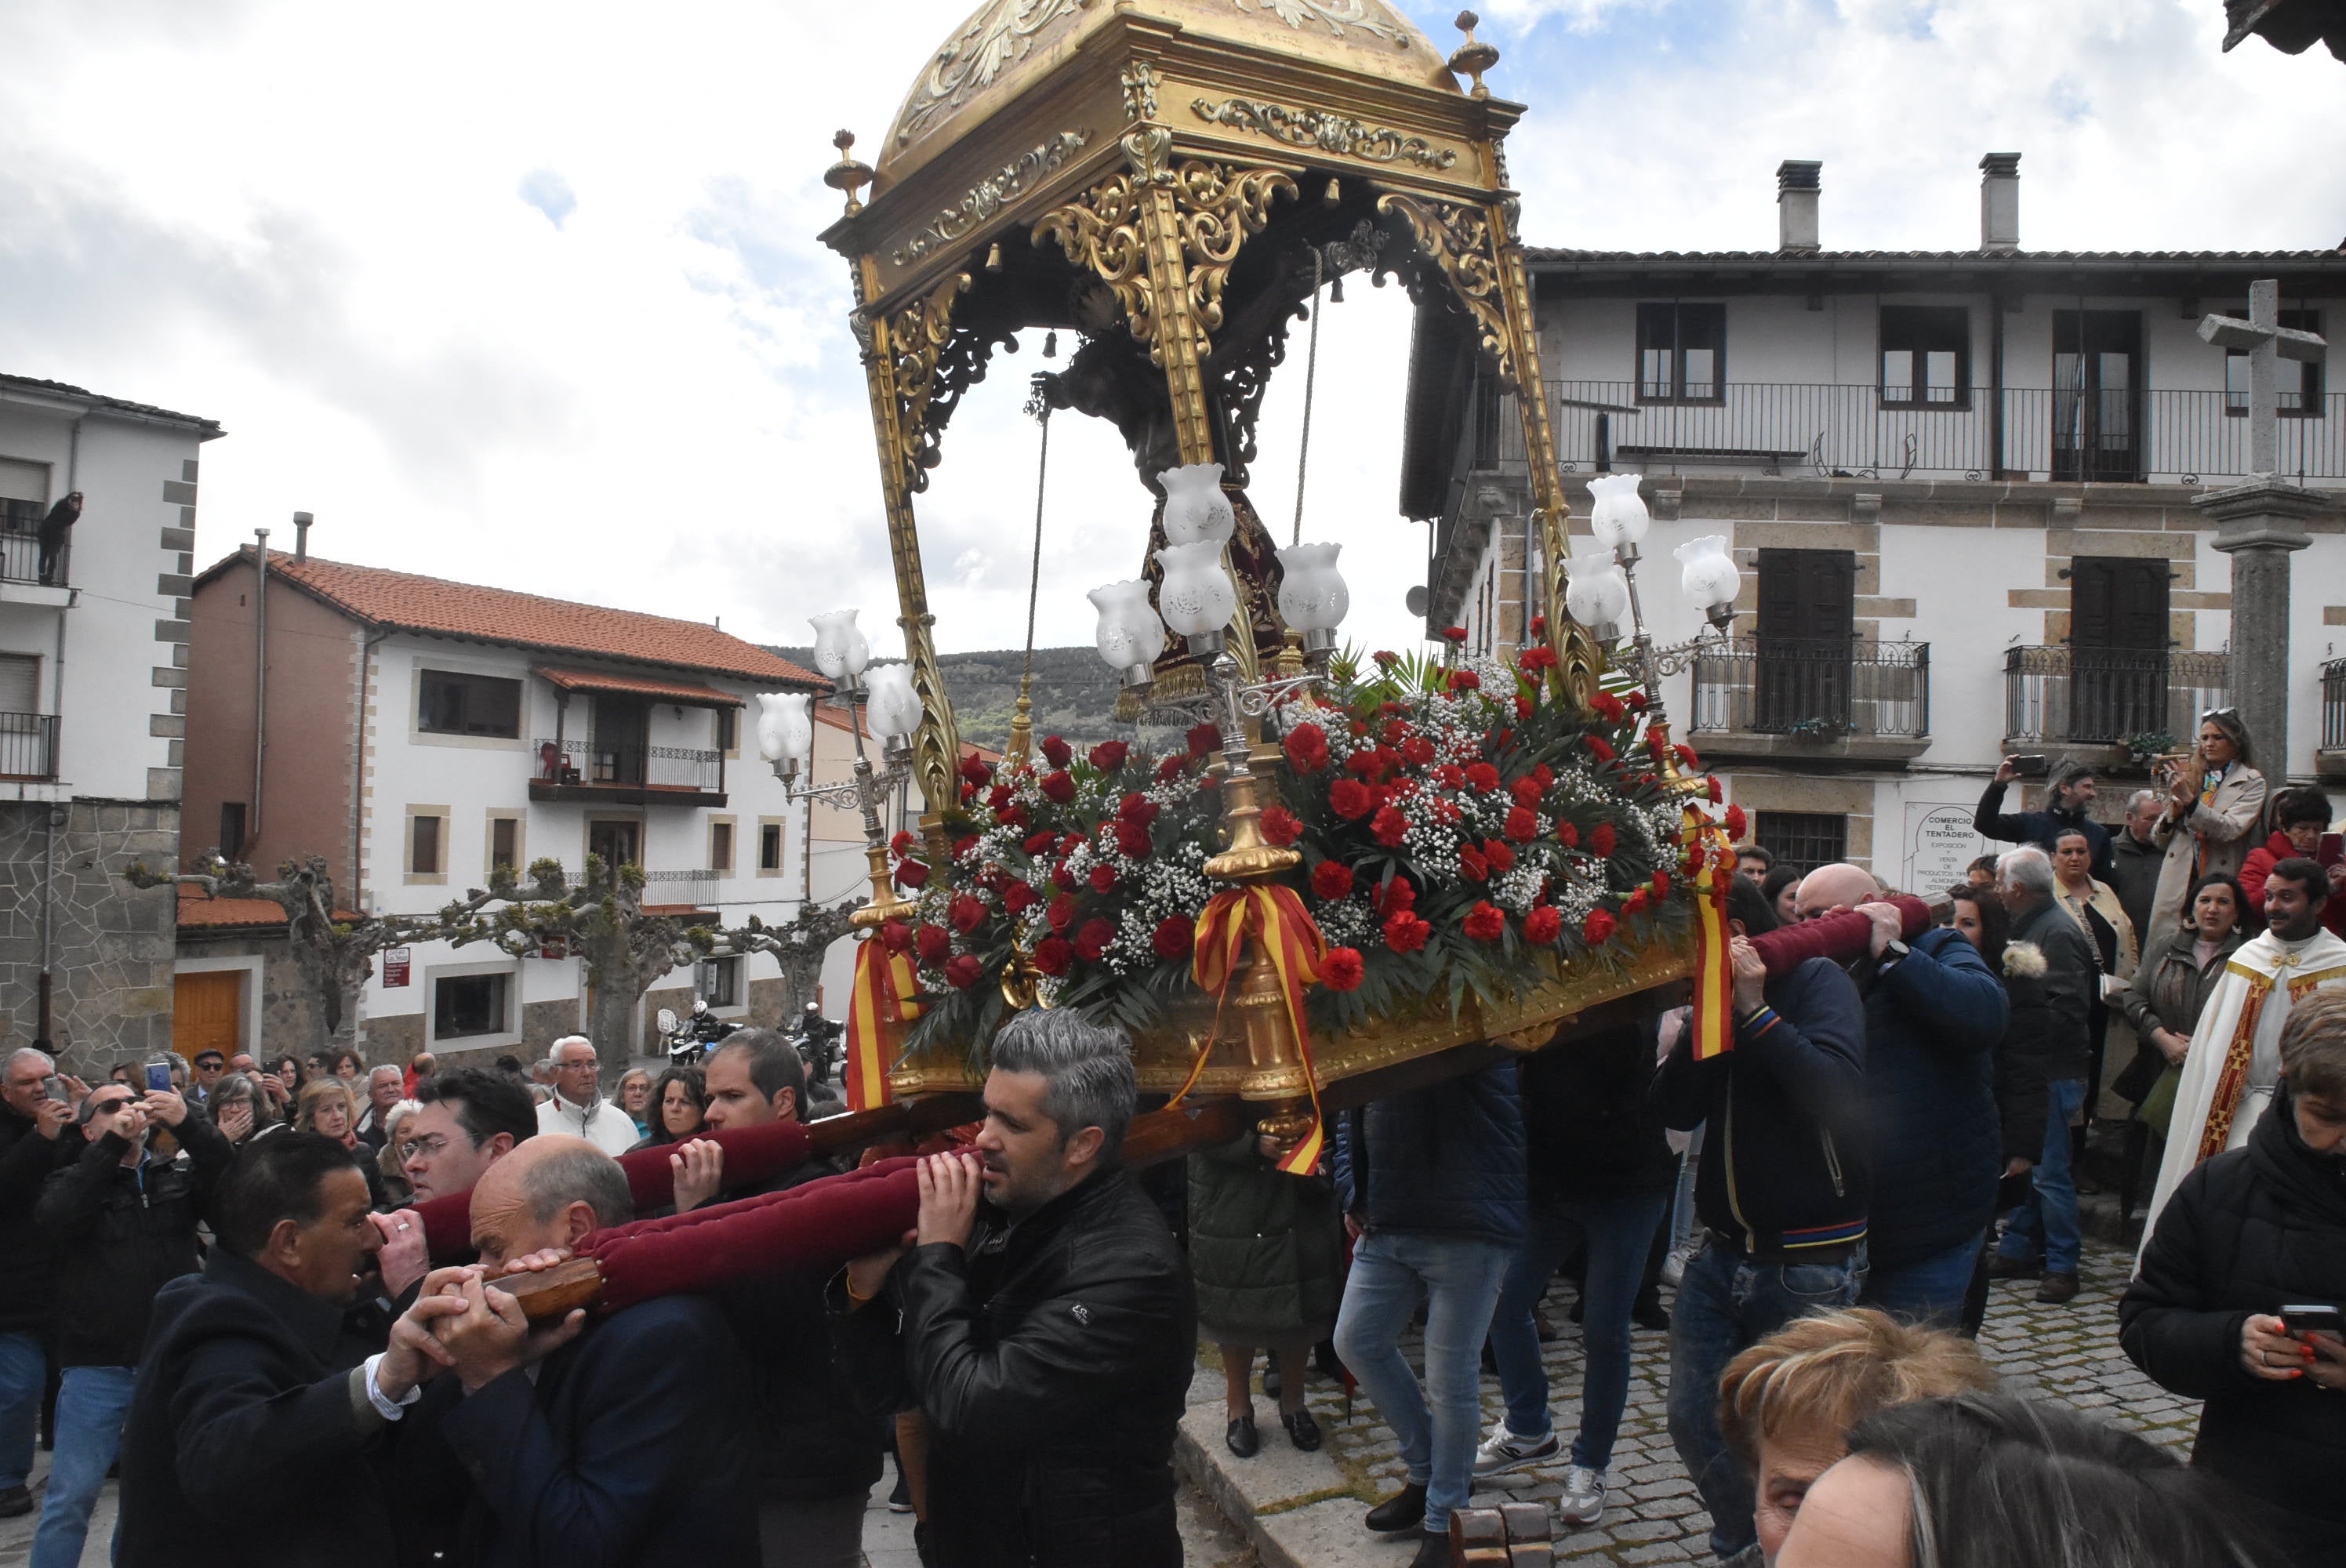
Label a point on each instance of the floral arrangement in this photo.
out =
(1462, 830)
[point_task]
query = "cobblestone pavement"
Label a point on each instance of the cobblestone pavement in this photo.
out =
(1308, 1513)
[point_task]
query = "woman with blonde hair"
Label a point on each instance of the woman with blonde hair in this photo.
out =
(2213, 808)
(328, 1108)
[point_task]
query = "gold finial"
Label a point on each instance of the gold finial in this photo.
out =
(1022, 724)
(848, 174)
(1473, 57)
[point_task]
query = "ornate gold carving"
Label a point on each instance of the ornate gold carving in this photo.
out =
(990, 196)
(1461, 241)
(1334, 14)
(1101, 230)
(848, 176)
(917, 335)
(997, 38)
(1140, 81)
(1329, 133)
(1219, 210)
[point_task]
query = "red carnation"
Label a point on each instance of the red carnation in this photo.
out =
(1389, 827)
(1465, 680)
(1396, 897)
(1172, 767)
(1281, 826)
(1542, 925)
(1522, 707)
(1471, 866)
(1405, 932)
(1386, 658)
(912, 873)
(1686, 756)
(1133, 840)
(1535, 659)
(1019, 898)
(964, 970)
(1203, 739)
(1526, 791)
(1597, 929)
(1417, 750)
(933, 944)
(896, 935)
(1453, 634)
(1057, 752)
(1661, 885)
(966, 913)
(973, 769)
(1545, 776)
(1635, 903)
(1736, 822)
(1364, 763)
(1062, 912)
(1109, 755)
(1040, 844)
(1601, 842)
(1349, 799)
(1482, 778)
(1059, 785)
(1053, 955)
(1485, 921)
(998, 796)
(901, 843)
(1599, 748)
(1501, 858)
(1103, 878)
(1332, 879)
(1539, 626)
(1609, 707)
(1342, 970)
(1713, 790)
(1567, 835)
(1522, 822)
(1172, 937)
(1092, 940)
(1307, 748)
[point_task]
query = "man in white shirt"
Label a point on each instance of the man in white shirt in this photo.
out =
(578, 1109)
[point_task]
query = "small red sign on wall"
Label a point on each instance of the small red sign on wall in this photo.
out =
(394, 966)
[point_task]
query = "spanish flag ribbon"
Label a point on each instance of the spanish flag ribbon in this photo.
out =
(1713, 1022)
(1273, 917)
(882, 995)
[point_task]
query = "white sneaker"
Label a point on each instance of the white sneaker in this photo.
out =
(1674, 1266)
(1583, 1502)
(1503, 1450)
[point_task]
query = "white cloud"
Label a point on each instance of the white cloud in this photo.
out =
(531, 293)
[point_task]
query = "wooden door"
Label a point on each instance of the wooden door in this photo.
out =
(622, 728)
(208, 1012)
(2098, 395)
(1808, 604)
(2117, 647)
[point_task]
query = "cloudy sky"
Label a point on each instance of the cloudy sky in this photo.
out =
(529, 293)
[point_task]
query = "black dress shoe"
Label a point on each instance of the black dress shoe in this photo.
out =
(1404, 1510)
(1301, 1429)
(16, 1501)
(1999, 1267)
(1241, 1436)
(1433, 1551)
(1270, 1384)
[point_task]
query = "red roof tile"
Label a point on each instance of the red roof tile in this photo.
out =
(197, 910)
(407, 602)
(664, 690)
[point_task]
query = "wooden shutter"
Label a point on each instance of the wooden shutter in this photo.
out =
(20, 683)
(2117, 601)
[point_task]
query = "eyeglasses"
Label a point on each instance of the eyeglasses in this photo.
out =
(432, 1145)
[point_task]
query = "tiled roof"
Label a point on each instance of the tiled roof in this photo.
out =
(198, 910)
(404, 601)
(82, 395)
(635, 684)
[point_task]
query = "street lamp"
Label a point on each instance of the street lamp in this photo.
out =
(1618, 518)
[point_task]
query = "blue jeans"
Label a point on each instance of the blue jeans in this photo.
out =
(23, 1374)
(1929, 1290)
(1617, 1232)
(2050, 1215)
(92, 1404)
(1440, 1423)
(1726, 1304)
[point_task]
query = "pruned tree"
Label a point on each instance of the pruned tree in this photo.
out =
(798, 946)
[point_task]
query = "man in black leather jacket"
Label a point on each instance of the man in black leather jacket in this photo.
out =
(1048, 1332)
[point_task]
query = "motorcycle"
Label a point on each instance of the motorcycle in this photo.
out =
(691, 1039)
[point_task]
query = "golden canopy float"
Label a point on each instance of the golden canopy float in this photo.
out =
(1169, 182)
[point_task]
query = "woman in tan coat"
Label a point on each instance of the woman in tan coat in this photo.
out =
(2212, 812)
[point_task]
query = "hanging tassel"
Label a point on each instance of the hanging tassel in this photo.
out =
(1336, 290)
(1713, 1022)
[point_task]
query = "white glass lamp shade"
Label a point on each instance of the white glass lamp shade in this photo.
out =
(785, 731)
(891, 706)
(840, 650)
(1710, 579)
(1595, 592)
(1617, 516)
(1196, 510)
(1312, 597)
(1196, 596)
(1129, 631)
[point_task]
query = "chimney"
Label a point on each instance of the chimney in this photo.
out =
(301, 521)
(1999, 202)
(1798, 180)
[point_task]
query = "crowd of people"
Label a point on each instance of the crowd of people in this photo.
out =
(218, 1270)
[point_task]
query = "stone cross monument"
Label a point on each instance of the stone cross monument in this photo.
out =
(2260, 523)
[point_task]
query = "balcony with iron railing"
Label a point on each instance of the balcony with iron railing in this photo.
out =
(627, 774)
(1951, 432)
(2131, 703)
(1853, 700)
(23, 561)
(28, 747)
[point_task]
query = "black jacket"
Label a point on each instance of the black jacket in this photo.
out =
(28, 1280)
(1933, 1022)
(2052, 977)
(1783, 1175)
(2135, 865)
(2251, 1231)
(1590, 1127)
(1053, 1360)
(2042, 828)
(247, 1376)
(121, 1234)
(625, 1449)
(1444, 1160)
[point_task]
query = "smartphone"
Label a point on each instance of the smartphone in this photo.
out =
(53, 1088)
(159, 1077)
(2033, 767)
(2314, 1319)
(2332, 850)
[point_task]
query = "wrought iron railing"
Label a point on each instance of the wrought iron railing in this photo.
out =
(2175, 437)
(2333, 705)
(20, 548)
(701, 878)
(28, 745)
(2143, 698)
(1827, 687)
(594, 762)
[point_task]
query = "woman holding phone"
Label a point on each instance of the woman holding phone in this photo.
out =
(2213, 807)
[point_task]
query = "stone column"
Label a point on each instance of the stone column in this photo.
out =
(2259, 525)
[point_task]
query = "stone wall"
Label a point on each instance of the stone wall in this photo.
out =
(394, 1039)
(543, 1023)
(112, 946)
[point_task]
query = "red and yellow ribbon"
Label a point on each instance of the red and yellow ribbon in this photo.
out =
(882, 995)
(1713, 1021)
(1273, 918)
